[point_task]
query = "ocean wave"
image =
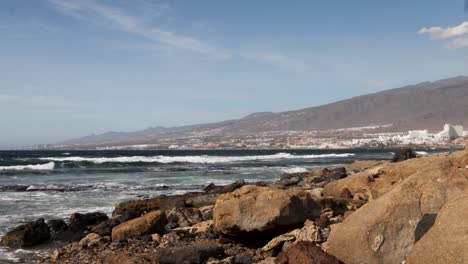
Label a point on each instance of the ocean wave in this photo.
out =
(422, 153)
(294, 170)
(192, 159)
(35, 167)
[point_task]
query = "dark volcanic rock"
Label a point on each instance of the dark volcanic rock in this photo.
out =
(195, 254)
(305, 252)
(211, 188)
(105, 227)
(88, 219)
(30, 234)
(404, 154)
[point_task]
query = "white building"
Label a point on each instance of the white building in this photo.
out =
(451, 131)
(418, 133)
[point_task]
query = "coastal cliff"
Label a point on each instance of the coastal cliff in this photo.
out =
(413, 211)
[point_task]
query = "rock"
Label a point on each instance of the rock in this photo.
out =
(156, 237)
(207, 212)
(57, 227)
(305, 252)
(201, 200)
(253, 208)
(383, 230)
(105, 227)
(196, 254)
(211, 188)
(202, 227)
(30, 234)
(139, 207)
(346, 194)
(403, 155)
(244, 259)
(89, 240)
(88, 219)
(447, 240)
(147, 224)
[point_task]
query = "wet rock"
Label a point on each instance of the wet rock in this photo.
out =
(147, 224)
(88, 219)
(305, 252)
(30, 234)
(196, 254)
(105, 227)
(57, 226)
(253, 208)
(403, 155)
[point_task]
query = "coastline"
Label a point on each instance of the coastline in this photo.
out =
(308, 209)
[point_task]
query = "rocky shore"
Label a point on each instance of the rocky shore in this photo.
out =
(408, 210)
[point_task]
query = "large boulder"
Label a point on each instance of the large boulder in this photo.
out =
(254, 208)
(447, 240)
(305, 252)
(383, 231)
(88, 219)
(30, 234)
(147, 224)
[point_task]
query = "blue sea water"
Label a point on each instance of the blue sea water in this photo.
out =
(55, 184)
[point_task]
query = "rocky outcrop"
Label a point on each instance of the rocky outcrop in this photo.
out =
(211, 188)
(253, 208)
(383, 231)
(147, 224)
(30, 234)
(447, 240)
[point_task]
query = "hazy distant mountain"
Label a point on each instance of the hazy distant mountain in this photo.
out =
(426, 105)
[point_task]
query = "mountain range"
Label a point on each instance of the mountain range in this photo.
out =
(427, 105)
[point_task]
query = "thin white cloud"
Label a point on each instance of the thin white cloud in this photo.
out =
(117, 19)
(98, 13)
(457, 36)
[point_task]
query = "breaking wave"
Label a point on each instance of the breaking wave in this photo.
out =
(36, 167)
(204, 159)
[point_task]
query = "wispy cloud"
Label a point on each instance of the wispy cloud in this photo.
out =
(457, 36)
(119, 19)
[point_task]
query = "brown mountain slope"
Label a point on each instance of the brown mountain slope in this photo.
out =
(427, 105)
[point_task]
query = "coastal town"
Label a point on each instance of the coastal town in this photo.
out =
(344, 138)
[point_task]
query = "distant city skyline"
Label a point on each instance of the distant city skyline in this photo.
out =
(74, 68)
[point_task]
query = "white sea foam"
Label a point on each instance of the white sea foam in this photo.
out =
(422, 153)
(47, 166)
(195, 159)
(294, 170)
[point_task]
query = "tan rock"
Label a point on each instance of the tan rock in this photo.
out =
(149, 223)
(255, 208)
(383, 231)
(156, 237)
(90, 240)
(201, 227)
(447, 240)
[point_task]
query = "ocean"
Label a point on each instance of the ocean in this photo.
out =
(55, 184)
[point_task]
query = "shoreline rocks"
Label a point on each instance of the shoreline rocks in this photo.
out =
(412, 210)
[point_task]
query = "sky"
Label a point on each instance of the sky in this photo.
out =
(80, 67)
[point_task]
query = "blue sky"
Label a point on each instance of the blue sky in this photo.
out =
(73, 68)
